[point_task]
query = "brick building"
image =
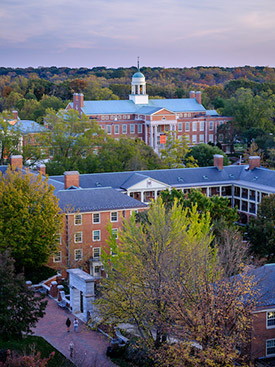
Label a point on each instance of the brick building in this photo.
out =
(263, 322)
(149, 119)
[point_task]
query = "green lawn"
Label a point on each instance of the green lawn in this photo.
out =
(40, 345)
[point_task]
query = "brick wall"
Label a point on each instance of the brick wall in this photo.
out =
(260, 334)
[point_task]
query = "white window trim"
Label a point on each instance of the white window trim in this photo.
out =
(124, 132)
(117, 128)
(194, 126)
(115, 230)
(134, 130)
(269, 326)
(77, 224)
(75, 237)
(180, 126)
(139, 129)
(187, 124)
(81, 251)
(97, 230)
(116, 217)
(96, 248)
(60, 257)
(269, 355)
(99, 218)
(211, 125)
(201, 125)
(109, 129)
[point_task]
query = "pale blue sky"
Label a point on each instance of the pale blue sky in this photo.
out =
(113, 32)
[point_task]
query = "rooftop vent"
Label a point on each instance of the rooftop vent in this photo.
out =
(255, 178)
(205, 177)
(231, 175)
(180, 179)
(98, 184)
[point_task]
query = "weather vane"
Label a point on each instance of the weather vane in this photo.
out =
(138, 62)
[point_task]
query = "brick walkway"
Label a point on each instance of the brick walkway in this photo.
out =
(89, 346)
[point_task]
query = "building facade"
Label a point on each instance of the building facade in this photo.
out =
(151, 119)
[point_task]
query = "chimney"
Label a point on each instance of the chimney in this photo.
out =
(198, 97)
(41, 168)
(81, 100)
(75, 101)
(254, 161)
(15, 114)
(16, 162)
(192, 94)
(71, 178)
(218, 161)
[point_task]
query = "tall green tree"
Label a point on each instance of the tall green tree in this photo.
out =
(30, 218)
(261, 229)
(204, 155)
(9, 138)
(175, 153)
(20, 308)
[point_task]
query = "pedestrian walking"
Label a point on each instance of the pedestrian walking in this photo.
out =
(75, 324)
(71, 348)
(68, 324)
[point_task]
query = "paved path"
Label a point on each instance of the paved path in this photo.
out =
(89, 346)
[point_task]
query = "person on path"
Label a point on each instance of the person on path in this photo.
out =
(75, 324)
(68, 324)
(71, 348)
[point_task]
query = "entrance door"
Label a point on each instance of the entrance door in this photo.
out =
(81, 302)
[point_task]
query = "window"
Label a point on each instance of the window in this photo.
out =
(270, 319)
(78, 219)
(96, 218)
(114, 216)
(211, 138)
(115, 233)
(97, 270)
(220, 138)
(189, 114)
(211, 125)
(116, 129)
(96, 235)
(187, 138)
(58, 239)
(180, 126)
(112, 117)
(78, 237)
(109, 129)
(124, 213)
(119, 117)
(78, 254)
(270, 347)
(132, 129)
(201, 125)
(139, 128)
(96, 252)
(180, 138)
(57, 257)
(194, 126)
(221, 123)
(124, 129)
(187, 126)
(194, 139)
(106, 117)
(201, 138)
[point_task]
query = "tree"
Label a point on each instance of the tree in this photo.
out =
(30, 218)
(261, 230)
(9, 138)
(218, 207)
(71, 138)
(20, 308)
(204, 155)
(175, 153)
(147, 257)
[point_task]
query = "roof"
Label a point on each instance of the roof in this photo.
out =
(265, 280)
(87, 200)
(28, 126)
(212, 113)
(138, 74)
(259, 178)
(128, 106)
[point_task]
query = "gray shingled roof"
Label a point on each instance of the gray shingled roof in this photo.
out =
(260, 178)
(87, 200)
(265, 279)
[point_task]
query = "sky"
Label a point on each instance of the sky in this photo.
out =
(112, 33)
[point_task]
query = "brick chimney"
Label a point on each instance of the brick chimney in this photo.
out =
(41, 168)
(192, 94)
(15, 114)
(78, 101)
(218, 161)
(16, 161)
(198, 97)
(71, 178)
(254, 161)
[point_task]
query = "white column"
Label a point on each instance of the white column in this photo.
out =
(155, 132)
(151, 136)
(141, 197)
(170, 127)
(156, 194)
(146, 134)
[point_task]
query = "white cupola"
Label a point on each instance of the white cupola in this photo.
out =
(138, 88)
